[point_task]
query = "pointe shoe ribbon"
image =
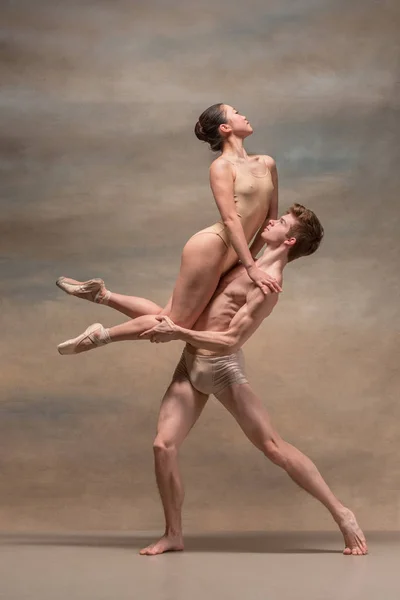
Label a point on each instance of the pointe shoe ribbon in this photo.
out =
(93, 290)
(93, 337)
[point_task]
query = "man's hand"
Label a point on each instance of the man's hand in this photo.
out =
(264, 281)
(164, 331)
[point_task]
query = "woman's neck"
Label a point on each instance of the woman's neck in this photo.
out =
(233, 148)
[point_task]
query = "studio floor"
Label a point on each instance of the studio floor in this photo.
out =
(245, 566)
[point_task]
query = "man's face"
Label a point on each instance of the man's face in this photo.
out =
(238, 123)
(276, 231)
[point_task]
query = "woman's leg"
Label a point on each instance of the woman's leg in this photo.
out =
(133, 306)
(96, 335)
(203, 258)
(131, 330)
(95, 291)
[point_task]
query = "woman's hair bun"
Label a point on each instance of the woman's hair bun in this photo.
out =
(199, 132)
(207, 127)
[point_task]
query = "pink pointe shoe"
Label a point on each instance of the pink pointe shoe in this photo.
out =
(93, 290)
(93, 337)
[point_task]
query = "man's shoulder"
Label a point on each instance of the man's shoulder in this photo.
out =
(276, 272)
(260, 301)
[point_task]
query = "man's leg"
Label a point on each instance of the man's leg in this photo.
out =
(254, 420)
(180, 409)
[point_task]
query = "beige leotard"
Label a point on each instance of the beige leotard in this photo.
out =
(252, 195)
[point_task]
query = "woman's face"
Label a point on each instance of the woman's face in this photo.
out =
(238, 123)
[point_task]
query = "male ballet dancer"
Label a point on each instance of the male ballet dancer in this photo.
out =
(212, 363)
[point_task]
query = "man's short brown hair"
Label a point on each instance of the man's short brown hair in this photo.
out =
(307, 230)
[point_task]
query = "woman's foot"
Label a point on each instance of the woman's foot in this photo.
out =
(93, 337)
(167, 543)
(93, 290)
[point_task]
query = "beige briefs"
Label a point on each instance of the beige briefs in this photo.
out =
(210, 374)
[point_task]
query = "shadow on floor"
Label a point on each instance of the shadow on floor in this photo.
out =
(251, 542)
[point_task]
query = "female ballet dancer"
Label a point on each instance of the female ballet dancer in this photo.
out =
(245, 189)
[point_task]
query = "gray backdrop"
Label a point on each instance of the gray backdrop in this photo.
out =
(103, 176)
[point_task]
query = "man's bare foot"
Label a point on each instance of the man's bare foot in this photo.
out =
(354, 539)
(164, 544)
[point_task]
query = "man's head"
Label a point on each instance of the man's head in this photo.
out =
(298, 231)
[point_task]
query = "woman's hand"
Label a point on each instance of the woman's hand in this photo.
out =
(265, 282)
(164, 331)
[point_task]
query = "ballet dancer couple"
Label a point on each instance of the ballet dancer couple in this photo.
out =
(216, 305)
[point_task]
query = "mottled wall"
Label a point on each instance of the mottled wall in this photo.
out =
(102, 176)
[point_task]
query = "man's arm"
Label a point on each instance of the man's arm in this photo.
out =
(258, 243)
(248, 318)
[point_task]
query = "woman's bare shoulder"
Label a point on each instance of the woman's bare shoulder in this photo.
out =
(221, 165)
(268, 160)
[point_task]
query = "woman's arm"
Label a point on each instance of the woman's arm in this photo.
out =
(258, 243)
(222, 185)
